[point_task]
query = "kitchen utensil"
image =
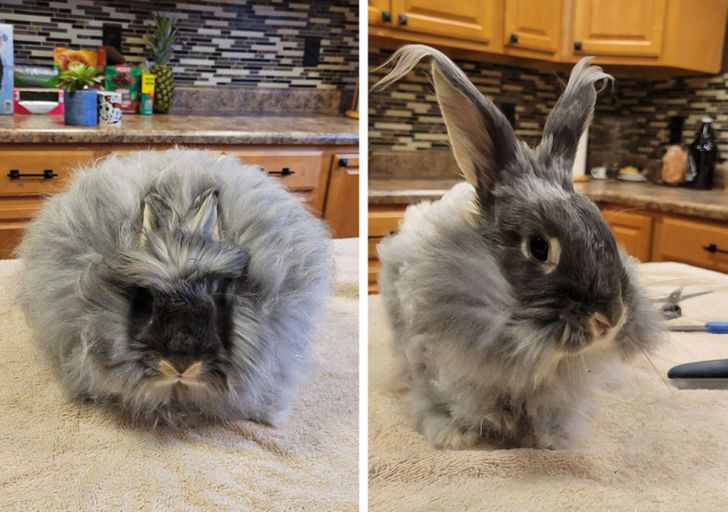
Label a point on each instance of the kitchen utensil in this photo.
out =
(671, 308)
(700, 375)
(711, 327)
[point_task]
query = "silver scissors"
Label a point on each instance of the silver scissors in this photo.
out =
(671, 308)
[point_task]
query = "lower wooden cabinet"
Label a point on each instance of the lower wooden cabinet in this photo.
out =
(632, 230)
(30, 173)
(696, 242)
(383, 221)
(341, 210)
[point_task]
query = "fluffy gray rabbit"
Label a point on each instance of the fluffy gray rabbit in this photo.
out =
(180, 285)
(509, 298)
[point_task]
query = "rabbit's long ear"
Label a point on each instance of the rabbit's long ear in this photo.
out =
(482, 139)
(202, 218)
(570, 117)
(157, 216)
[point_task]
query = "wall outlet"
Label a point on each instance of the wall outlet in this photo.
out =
(311, 51)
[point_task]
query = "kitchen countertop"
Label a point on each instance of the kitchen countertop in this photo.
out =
(185, 129)
(711, 204)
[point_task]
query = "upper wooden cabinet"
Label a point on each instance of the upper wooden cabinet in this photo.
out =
(655, 38)
(460, 19)
(379, 12)
(532, 25)
(619, 27)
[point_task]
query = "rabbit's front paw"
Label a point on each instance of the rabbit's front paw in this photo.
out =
(445, 433)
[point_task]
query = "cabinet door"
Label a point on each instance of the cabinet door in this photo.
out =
(532, 24)
(629, 28)
(342, 199)
(461, 19)
(38, 172)
(633, 231)
(379, 11)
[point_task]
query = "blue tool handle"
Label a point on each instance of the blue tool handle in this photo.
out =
(717, 327)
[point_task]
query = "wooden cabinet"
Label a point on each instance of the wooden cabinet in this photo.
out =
(342, 200)
(29, 173)
(619, 27)
(379, 12)
(696, 242)
(655, 38)
(460, 19)
(632, 230)
(532, 25)
(383, 221)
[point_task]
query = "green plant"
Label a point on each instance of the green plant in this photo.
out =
(79, 76)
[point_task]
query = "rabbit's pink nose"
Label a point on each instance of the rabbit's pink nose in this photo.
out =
(599, 324)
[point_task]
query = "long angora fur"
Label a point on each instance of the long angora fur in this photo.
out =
(509, 298)
(178, 285)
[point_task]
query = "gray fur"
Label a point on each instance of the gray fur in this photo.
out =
(492, 342)
(178, 222)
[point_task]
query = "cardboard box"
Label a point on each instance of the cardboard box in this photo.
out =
(8, 62)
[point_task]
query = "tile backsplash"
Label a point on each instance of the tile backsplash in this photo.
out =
(632, 120)
(221, 43)
(406, 116)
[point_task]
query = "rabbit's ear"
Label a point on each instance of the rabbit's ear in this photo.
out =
(157, 216)
(570, 117)
(482, 139)
(202, 218)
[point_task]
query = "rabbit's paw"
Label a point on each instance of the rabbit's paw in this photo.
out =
(445, 433)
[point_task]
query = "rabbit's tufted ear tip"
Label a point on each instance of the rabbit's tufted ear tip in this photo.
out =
(203, 217)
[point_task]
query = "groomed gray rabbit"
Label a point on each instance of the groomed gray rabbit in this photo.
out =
(180, 285)
(509, 298)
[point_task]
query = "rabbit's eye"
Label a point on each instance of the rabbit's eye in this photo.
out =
(142, 302)
(538, 248)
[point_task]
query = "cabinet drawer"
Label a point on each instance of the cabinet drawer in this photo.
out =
(57, 164)
(298, 169)
(382, 223)
(685, 240)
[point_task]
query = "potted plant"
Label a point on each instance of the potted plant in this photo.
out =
(80, 101)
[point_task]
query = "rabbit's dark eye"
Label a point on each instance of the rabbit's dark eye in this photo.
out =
(538, 248)
(142, 302)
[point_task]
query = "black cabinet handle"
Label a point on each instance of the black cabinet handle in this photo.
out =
(514, 38)
(286, 171)
(343, 162)
(577, 46)
(386, 16)
(402, 19)
(47, 174)
(712, 248)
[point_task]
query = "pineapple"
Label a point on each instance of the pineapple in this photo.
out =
(160, 48)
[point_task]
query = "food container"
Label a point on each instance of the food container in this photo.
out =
(146, 107)
(126, 80)
(109, 108)
(6, 69)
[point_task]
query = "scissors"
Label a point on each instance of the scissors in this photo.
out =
(671, 308)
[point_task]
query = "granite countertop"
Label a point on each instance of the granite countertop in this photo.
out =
(711, 204)
(185, 129)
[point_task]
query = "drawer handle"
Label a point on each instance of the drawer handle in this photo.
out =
(402, 19)
(386, 16)
(712, 248)
(343, 162)
(514, 38)
(286, 171)
(577, 46)
(47, 174)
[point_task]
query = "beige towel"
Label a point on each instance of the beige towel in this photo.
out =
(56, 455)
(651, 447)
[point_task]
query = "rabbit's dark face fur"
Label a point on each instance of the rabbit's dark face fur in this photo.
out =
(582, 280)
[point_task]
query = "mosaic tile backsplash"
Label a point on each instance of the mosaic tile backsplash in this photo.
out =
(631, 120)
(221, 43)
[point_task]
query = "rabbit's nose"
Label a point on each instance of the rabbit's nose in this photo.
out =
(599, 324)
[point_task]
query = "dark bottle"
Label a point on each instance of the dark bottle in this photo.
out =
(703, 156)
